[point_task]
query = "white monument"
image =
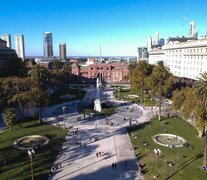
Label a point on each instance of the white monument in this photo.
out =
(97, 102)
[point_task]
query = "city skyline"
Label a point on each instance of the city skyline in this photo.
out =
(119, 26)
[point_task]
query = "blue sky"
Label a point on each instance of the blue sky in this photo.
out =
(119, 26)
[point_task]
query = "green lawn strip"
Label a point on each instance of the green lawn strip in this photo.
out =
(11, 168)
(56, 99)
(190, 158)
(123, 95)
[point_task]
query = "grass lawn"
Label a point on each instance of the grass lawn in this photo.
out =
(18, 167)
(123, 93)
(190, 158)
(56, 99)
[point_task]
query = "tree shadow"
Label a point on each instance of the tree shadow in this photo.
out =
(185, 164)
(122, 171)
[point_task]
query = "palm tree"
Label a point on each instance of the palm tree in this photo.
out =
(142, 68)
(131, 68)
(9, 117)
(56, 64)
(39, 75)
(201, 93)
(67, 69)
(160, 72)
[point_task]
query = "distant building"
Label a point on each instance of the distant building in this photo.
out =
(192, 29)
(149, 44)
(45, 62)
(6, 55)
(7, 38)
(19, 46)
(142, 53)
(156, 39)
(161, 42)
(192, 32)
(110, 73)
(62, 51)
(48, 44)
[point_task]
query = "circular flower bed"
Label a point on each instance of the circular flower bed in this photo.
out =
(28, 142)
(169, 140)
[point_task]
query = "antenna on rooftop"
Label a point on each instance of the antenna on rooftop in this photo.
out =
(185, 22)
(100, 61)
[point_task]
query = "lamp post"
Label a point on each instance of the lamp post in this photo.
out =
(64, 108)
(178, 154)
(31, 152)
(178, 157)
(118, 93)
(157, 153)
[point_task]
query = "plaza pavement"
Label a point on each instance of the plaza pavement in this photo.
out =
(76, 162)
(82, 163)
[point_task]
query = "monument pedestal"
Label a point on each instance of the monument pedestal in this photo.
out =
(97, 105)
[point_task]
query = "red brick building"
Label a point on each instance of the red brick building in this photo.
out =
(110, 73)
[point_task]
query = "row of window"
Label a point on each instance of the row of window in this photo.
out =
(199, 70)
(99, 68)
(188, 75)
(6, 56)
(188, 50)
(185, 62)
(186, 56)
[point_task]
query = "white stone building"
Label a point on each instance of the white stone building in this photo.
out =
(186, 58)
(19, 45)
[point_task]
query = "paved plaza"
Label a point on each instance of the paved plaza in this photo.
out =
(92, 147)
(100, 148)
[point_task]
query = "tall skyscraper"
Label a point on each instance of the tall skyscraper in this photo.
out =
(62, 51)
(48, 44)
(7, 38)
(156, 40)
(19, 45)
(149, 44)
(192, 29)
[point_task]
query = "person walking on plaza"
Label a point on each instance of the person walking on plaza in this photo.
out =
(112, 165)
(115, 165)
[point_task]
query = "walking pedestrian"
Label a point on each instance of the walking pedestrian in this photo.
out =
(112, 165)
(115, 165)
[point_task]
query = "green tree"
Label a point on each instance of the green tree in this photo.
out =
(201, 93)
(132, 66)
(57, 65)
(200, 87)
(178, 99)
(39, 76)
(67, 69)
(20, 98)
(143, 69)
(160, 72)
(9, 117)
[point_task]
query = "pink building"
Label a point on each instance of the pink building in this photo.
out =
(110, 73)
